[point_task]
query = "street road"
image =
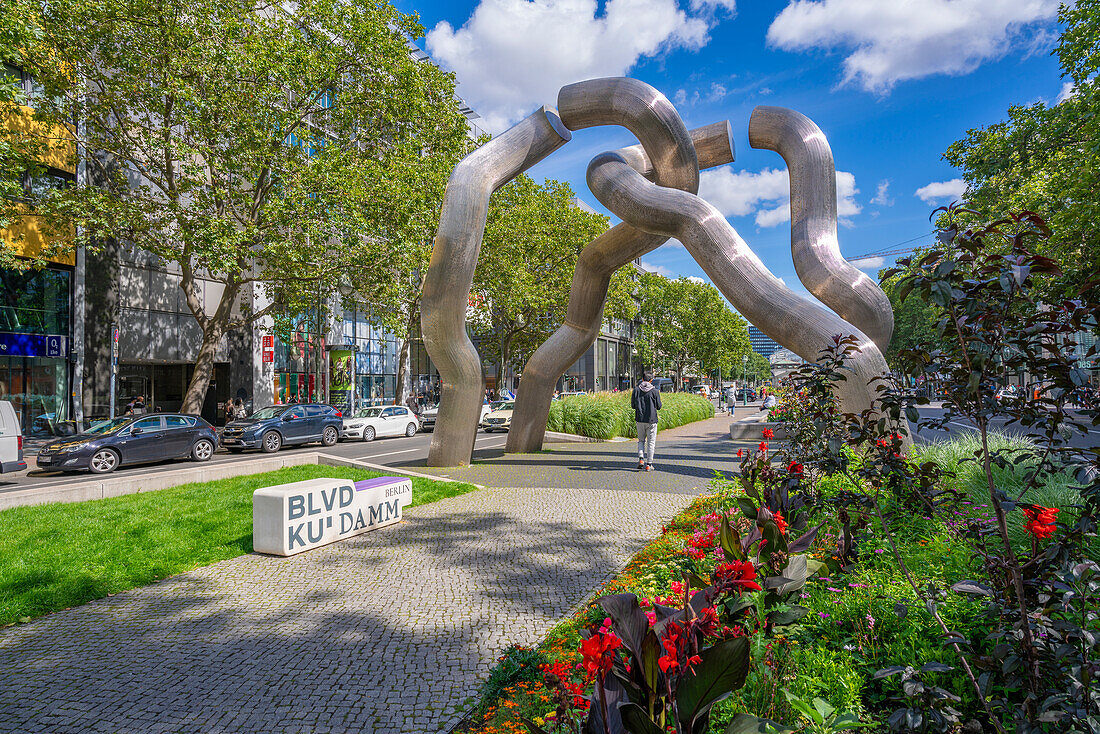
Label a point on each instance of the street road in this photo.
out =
(961, 427)
(379, 451)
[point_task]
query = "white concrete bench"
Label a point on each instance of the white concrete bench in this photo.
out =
(291, 518)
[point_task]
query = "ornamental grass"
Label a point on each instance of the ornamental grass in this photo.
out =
(606, 415)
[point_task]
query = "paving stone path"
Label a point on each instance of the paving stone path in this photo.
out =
(387, 632)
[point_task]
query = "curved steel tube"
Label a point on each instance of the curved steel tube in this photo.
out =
(667, 150)
(450, 274)
(804, 327)
(817, 259)
(591, 279)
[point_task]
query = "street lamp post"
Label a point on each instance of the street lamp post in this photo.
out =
(744, 377)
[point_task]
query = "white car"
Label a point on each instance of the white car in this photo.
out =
(11, 440)
(371, 423)
(429, 415)
(500, 419)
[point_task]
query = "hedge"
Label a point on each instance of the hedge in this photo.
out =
(607, 415)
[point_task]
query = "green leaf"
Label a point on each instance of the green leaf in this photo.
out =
(730, 540)
(787, 616)
(722, 670)
(749, 724)
(637, 721)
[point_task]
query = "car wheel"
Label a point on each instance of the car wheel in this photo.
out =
(329, 436)
(103, 461)
(410, 430)
(272, 442)
(202, 450)
(368, 433)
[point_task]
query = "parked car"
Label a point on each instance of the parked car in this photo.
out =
(371, 423)
(704, 390)
(499, 419)
(269, 429)
(11, 440)
(745, 391)
(131, 439)
(1007, 393)
(429, 416)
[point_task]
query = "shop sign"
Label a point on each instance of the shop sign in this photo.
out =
(13, 344)
(269, 355)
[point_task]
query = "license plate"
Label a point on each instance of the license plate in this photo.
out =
(45, 459)
(230, 440)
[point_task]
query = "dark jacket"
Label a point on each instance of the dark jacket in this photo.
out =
(646, 401)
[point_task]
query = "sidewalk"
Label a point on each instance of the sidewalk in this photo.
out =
(685, 461)
(387, 632)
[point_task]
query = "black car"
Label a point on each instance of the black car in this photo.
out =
(134, 439)
(271, 428)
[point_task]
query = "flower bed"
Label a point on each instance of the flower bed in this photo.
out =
(846, 626)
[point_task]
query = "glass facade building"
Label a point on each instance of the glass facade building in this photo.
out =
(34, 347)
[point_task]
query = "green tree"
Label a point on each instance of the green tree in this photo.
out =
(757, 369)
(1046, 158)
(533, 236)
(233, 139)
(687, 325)
(405, 196)
(914, 321)
(17, 32)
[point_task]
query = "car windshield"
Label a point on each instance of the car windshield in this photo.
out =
(108, 426)
(506, 405)
(271, 412)
(369, 413)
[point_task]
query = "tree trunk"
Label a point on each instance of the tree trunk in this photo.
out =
(401, 389)
(204, 370)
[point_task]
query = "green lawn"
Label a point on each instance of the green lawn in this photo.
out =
(62, 555)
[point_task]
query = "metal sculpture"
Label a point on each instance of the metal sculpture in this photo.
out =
(652, 188)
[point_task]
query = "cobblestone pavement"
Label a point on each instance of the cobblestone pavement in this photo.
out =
(387, 632)
(685, 461)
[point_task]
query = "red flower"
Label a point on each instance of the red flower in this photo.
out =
(739, 453)
(598, 653)
(780, 522)
(763, 446)
(794, 467)
(769, 433)
(1040, 521)
(737, 573)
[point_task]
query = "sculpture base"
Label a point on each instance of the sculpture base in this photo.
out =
(752, 428)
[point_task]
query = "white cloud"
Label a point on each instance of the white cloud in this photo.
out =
(658, 269)
(946, 191)
(716, 92)
(870, 263)
(696, 279)
(512, 55)
(882, 197)
(767, 193)
(1068, 90)
(888, 42)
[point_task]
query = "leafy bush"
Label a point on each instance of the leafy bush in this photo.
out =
(607, 415)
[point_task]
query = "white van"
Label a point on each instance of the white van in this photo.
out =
(11, 440)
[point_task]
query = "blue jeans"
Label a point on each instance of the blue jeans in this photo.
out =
(647, 441)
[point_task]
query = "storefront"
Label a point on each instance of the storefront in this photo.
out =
(34, 348)
(375, 359)
(300, 367)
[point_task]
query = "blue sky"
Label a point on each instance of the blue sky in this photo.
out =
(891, 82)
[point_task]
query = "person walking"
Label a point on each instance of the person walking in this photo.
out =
(239, 412)
(646, 401)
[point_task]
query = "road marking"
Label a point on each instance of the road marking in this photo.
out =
(495, 445)
(392, 453)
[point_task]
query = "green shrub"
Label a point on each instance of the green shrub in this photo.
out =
(517, 664)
